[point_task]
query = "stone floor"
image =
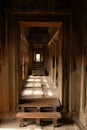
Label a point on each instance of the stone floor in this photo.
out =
(39, 87)
(13, 124)
(49, 91)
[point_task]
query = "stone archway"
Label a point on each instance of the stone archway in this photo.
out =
(15, 19)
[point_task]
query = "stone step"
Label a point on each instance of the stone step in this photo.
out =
(38, 115)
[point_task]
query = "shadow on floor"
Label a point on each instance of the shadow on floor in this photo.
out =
(60, 122)
(64, 121)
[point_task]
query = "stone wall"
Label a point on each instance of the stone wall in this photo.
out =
(4, 75)
(85, 57)
(79, 56)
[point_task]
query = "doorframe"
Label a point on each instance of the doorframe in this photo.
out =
(20, 18)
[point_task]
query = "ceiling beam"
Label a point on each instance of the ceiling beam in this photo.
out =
(40, 24)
